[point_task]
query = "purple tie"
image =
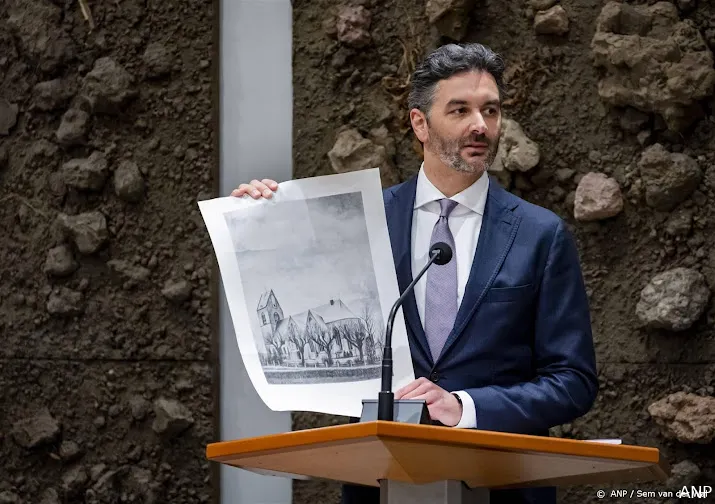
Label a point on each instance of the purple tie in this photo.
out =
(441, 291)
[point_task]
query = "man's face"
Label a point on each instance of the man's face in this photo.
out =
(464, 122)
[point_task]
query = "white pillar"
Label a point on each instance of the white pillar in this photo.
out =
(256, 94)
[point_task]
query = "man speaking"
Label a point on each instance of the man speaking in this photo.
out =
(501, 335)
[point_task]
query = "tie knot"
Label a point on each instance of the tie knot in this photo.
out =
(446, 206)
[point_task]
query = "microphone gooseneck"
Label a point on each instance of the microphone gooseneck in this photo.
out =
(440, 254)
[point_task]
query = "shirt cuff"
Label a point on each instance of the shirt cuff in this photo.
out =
(469, 411)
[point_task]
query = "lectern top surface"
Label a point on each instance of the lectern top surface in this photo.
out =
(434, 434)
(366, 453)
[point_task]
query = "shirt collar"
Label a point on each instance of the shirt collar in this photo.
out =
(473, 197)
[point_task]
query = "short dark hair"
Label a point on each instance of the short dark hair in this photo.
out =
(449, 60)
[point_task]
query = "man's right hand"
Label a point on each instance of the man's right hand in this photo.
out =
(257, 189)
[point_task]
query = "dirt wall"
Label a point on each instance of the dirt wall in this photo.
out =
(611, 126)
(107, 140)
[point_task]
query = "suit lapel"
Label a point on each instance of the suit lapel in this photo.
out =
(399, 222)
(497, 234)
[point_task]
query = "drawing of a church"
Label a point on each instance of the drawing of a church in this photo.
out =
(327, 335)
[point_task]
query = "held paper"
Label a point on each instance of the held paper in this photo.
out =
(309, 279)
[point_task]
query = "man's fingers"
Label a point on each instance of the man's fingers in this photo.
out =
(430, 396)
(260, 189)
(256, 189)
(271, 184)
(243, 189)
(409, 388)
(419, 391)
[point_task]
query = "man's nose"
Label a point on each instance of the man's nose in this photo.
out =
(478, 124)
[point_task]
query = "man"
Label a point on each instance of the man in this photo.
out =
(500, 336)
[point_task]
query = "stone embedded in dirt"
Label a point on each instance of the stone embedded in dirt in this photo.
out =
(541, 5)
(108, 87)
(8, 497)
(69, 451)
(381, 136)
(73, 128)
(74, 481)
(139, 407)
(353, 26)
(673, 300)
(39, 153)
(565, 174)
(353, 152)
(172, 417)
(37, 430)
(38, 26)
(653, 61)
(87, 230)
(176, 291)
(516, 152)
(65, 302)
(60, 262)
(50, 496)
(633, 120)
(686, 5)
(553, 21)
(87, 173)
(8, 116)
(679, 223)
(128, 181)
(52, 94)
(133, 483)
(597, 197)
(684, 473)
(139, 481)
(689, 418)
(450, 17)
(669, 178)
(96, 471)
(158, 59)
(129, 272)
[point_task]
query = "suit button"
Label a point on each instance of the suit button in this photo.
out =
(434, 376)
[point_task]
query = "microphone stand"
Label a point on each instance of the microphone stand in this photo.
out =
(386, 398)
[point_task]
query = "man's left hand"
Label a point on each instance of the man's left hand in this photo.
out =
(442, 405)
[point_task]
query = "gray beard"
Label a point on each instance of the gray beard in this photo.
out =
(448, 153)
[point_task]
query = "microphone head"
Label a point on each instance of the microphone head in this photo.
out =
(444, 253)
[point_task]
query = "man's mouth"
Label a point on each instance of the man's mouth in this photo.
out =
(476, 147)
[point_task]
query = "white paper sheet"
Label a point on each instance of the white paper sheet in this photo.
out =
(312, 269)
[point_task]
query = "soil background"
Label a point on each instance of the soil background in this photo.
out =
(106, 343)
(553, 95)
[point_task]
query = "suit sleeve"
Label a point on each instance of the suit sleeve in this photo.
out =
(566, 383)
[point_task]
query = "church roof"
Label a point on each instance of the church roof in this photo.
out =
(333, 311)
(263, 301)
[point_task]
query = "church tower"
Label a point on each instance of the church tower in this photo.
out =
(269, 314)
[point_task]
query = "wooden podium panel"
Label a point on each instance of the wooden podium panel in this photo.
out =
(365, 453)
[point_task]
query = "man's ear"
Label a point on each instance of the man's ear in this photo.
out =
(419, 125)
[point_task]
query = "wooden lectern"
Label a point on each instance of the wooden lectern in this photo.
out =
(413, 463)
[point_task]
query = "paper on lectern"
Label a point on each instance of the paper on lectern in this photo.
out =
(309, 278)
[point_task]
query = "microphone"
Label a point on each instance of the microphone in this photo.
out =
(440, 254)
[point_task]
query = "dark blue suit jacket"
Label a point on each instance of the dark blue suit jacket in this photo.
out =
(521, 345)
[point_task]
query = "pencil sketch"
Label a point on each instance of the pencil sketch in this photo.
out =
(317, 318)
(309, 279)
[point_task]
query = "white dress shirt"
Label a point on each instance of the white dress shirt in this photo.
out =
(465, 223)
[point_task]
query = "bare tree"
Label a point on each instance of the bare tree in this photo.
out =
(354, 333)
(323, 339)
(372, 329)
(299, 339)
(276, 342)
